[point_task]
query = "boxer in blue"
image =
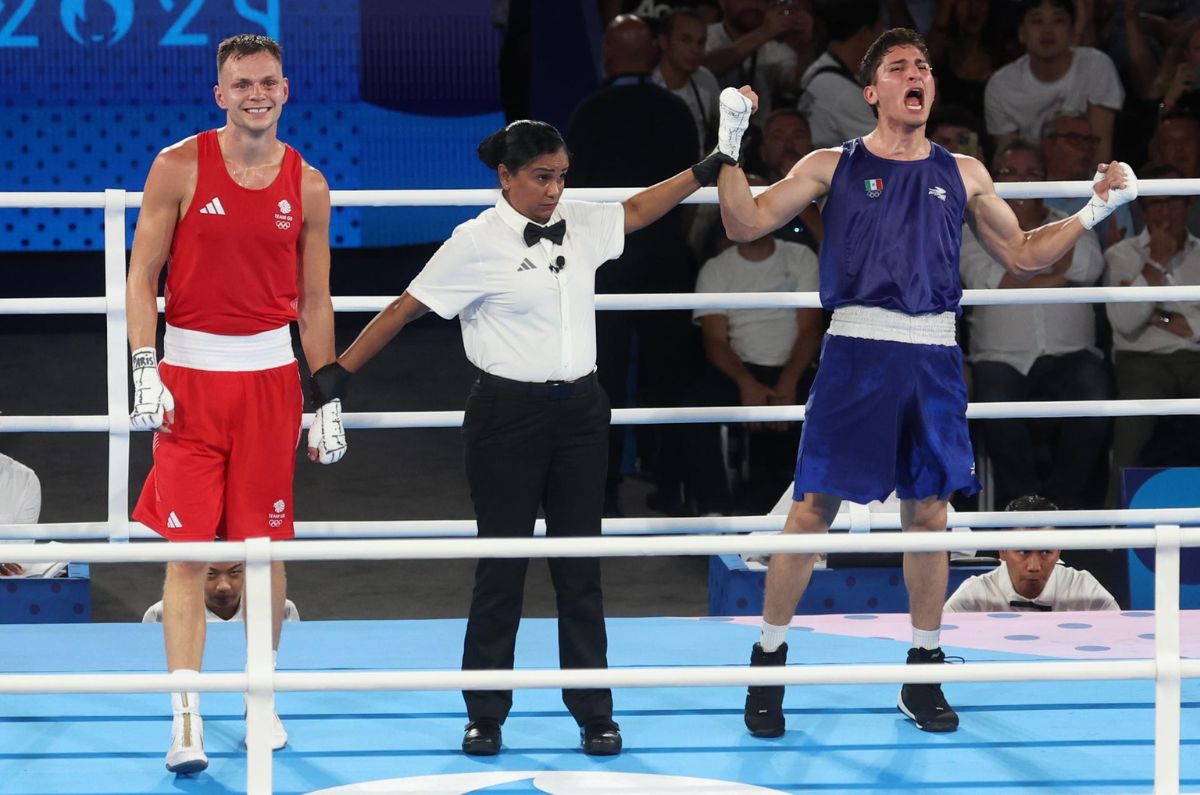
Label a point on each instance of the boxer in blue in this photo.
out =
(888, 409)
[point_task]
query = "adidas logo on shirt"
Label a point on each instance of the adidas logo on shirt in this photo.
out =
(526, 265)
(213, 208)
(173, 520)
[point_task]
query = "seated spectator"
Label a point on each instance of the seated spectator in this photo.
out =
(754, 357)
(1156, 351)
(957, 130)
(786, 139)
(1177, 141)
(656, 9)
(1030, 580)
(1052, 77)
(1023, 352)
(961, 51)
(743, 49)
(20, 502)
(1178, 80)
(222, 597)
(681, 39)
(1069, 152)
(830, 95)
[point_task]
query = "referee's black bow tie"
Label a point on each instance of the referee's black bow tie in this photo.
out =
(554, 233)
(1030, 606)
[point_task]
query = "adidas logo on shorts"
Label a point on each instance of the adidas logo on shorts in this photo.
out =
(173, 522)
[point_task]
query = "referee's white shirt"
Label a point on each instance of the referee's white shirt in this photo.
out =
(520, 320)
(1067, 589)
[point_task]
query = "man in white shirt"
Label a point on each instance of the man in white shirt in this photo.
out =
(222, 597)
(754, 357)
(681, 40)
(1030, 580)
(831, 97)
(1052, 77)
(20, 501)
(1069, 151)
(1177, 141)
(742, 48)
(787, 137)
(1156, 351)
(1025, 352)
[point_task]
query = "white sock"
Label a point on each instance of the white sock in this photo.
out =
(928, 639)
(772, 636)
(185, 702)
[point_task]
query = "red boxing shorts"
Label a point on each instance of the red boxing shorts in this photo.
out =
(226, 468)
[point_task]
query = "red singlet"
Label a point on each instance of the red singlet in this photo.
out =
(234, 257)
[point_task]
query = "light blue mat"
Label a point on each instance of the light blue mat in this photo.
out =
(1035, 737)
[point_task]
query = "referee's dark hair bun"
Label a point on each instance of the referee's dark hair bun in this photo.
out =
(491, 149)
(518, 143)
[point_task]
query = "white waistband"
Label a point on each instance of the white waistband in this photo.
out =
(877, 323)
(200, 350)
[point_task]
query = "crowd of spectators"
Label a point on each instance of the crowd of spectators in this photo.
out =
(1037, 90)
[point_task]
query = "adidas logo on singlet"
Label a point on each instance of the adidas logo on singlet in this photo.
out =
(213, 208)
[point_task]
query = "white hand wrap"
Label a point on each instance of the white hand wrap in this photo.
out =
(327, 436)
(151, 400)
(1097, 209)
(736, 108)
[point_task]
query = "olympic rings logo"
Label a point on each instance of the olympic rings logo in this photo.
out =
(283, 224)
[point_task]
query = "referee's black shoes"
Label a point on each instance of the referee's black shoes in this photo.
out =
(482, 738)
(925, 703)
(764, 704)
(600, 738)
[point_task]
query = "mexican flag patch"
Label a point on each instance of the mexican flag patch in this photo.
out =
(873, 187)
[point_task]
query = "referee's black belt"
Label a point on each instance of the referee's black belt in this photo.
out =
(551, 390)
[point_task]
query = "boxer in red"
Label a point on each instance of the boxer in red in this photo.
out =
(244, 223)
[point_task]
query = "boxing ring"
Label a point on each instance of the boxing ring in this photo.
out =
(376, 701)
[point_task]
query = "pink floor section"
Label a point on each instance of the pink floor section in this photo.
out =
(1067, 635)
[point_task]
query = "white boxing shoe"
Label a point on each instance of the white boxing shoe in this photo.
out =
(186, 754)
(278, 735)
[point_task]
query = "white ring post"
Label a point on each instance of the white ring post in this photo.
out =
(260, 697)
(1167, 688)
(115, 348)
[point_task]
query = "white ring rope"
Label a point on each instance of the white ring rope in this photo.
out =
(633, 301)
(259, 682)
(642, 526)
(479, 197)
(678, 415)
(620, 546)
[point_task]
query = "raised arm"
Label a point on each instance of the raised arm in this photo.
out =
(646, 207)
(747, 217)
(777, 20)
(1021, 252)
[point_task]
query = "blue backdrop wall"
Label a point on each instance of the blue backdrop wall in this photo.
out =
(384, 94)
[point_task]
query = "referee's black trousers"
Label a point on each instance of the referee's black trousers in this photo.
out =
(531, 446)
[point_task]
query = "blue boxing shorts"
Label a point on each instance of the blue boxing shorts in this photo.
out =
(886, 415)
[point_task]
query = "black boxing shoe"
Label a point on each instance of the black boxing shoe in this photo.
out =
(764, 704)
(924, 703)
(600, 738)
(482, 738)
